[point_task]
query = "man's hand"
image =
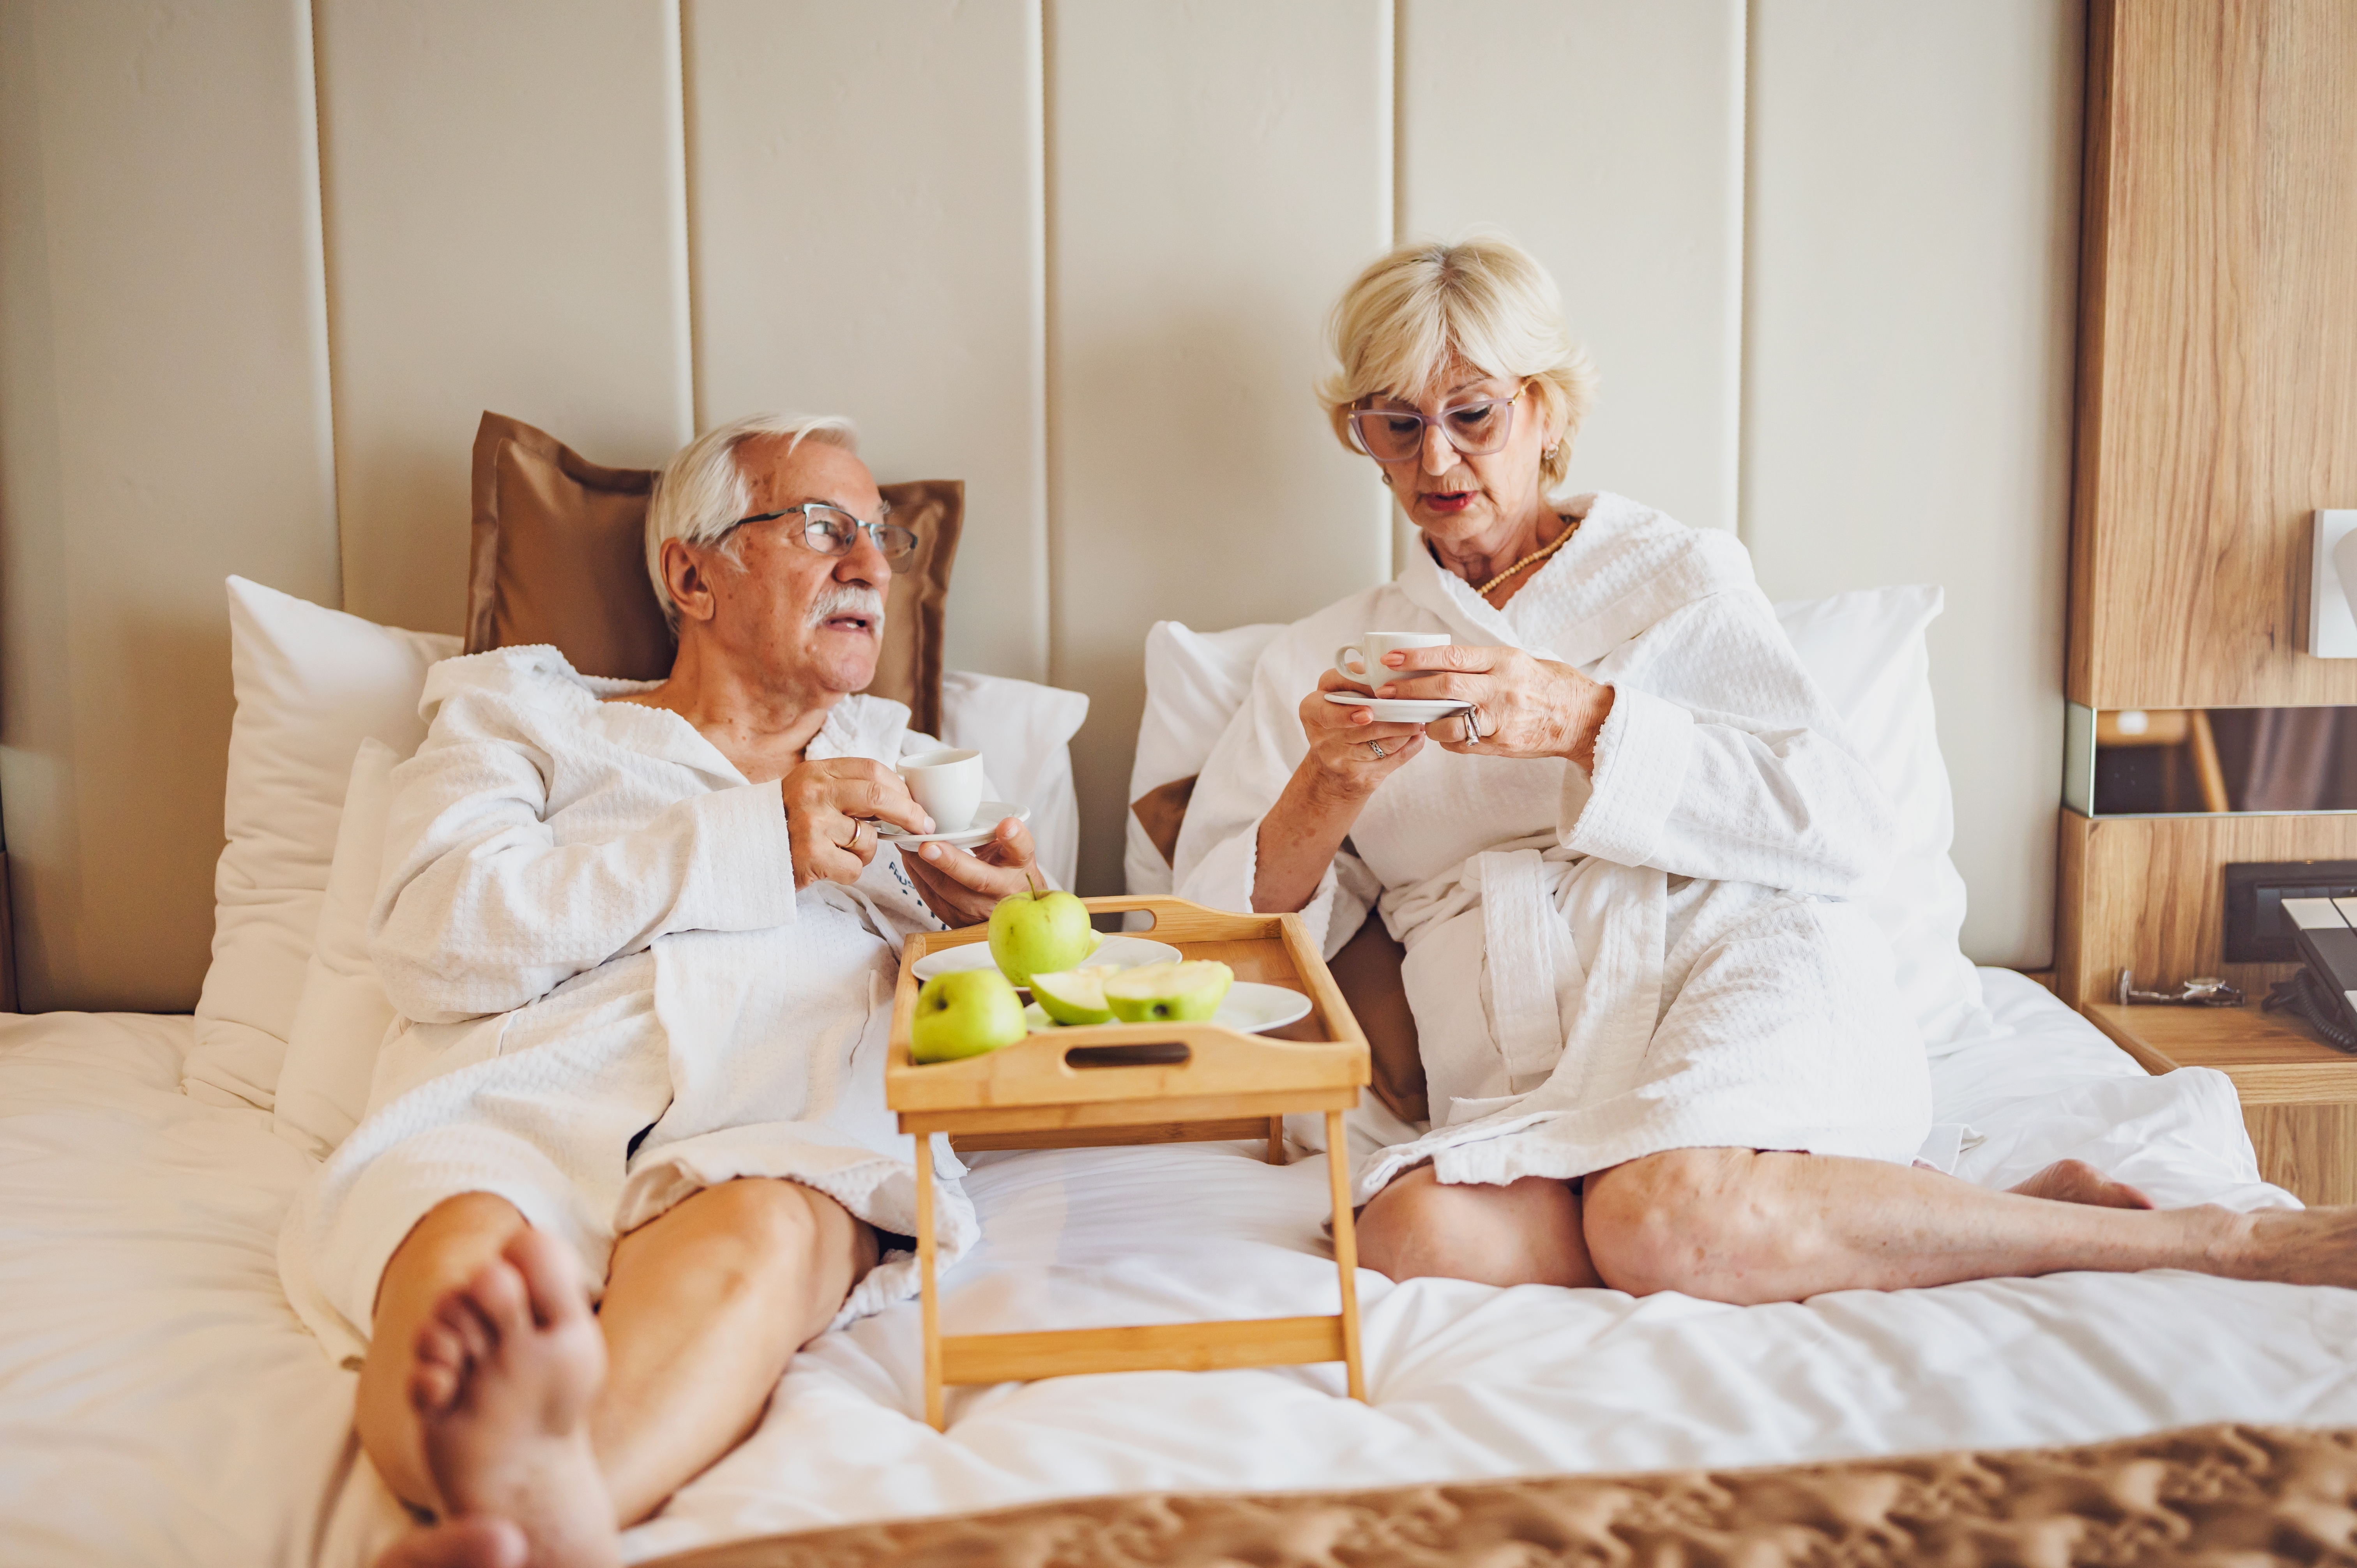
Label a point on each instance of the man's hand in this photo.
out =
(832, 809)
(962, 888)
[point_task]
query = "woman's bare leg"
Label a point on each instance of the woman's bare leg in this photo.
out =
(1524, 1233)
(1738, 1226)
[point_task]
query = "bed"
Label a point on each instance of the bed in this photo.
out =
(161, 1402)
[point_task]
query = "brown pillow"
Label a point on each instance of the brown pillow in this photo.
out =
(1367, 970)
(559, 556)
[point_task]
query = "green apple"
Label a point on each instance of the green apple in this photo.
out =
(1039, 933)
(1160, 993)
(1075, 996)
(965, 1015)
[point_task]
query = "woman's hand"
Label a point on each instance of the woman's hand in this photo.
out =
(1523, 705)
(1349, 752)
(832, 809)
(963, 889)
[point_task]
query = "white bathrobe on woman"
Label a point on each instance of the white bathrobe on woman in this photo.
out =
(611, 994)
(1602, 966)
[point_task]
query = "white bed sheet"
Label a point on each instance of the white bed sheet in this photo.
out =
(159, 1402)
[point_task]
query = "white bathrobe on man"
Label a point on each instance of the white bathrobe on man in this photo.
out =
(611, 994)
(1655, 956)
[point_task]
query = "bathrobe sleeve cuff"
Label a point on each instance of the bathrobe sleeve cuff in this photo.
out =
(741, 877)
(1641, 768)
(1224, 879)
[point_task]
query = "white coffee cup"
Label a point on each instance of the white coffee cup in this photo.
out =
(948, 785)
(1371, 647)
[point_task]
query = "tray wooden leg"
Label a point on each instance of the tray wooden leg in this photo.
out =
(927, 1294)
(1346, 1252)
(1277, 1140)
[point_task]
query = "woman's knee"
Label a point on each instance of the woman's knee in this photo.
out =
(1526, 1233)
(1691, 1220)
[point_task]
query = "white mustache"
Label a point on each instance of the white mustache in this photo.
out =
(848, 598)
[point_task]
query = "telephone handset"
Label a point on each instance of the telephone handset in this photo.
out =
(2325, 990)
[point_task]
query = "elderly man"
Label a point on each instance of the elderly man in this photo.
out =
(643, 941)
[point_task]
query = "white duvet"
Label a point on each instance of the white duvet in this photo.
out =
(160, 1403)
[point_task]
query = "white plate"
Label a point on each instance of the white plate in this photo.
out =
(1126, 952)
(1248, 1007)
(986, 817)
(1402, 710)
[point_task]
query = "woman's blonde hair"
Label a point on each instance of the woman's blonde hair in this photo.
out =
(1482, 297)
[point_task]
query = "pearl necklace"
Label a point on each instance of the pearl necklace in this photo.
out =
(1541, 553)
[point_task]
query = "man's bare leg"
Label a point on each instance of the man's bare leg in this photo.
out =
(704, 1307)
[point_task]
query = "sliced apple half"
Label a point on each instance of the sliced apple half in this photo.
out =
(1073, 996)
(1179, 991)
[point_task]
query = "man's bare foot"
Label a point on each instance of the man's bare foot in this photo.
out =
(462, 1543)
(2076, 1181)
(505, 1371)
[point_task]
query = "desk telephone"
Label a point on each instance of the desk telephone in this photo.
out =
(2325, 990)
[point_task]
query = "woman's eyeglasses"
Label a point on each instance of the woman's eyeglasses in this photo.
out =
(831, 530)
(1396, 435)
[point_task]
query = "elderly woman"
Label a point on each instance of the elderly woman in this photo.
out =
(1663, 1052)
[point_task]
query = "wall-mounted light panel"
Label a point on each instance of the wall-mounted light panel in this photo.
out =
(2333, 572)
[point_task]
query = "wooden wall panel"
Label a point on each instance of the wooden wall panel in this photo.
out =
(162, 424)
(2148, 893)
(1643, 144)
(868, 236)
(2218, 382)
(1910, 283)
(505, 228)
(1218, 172)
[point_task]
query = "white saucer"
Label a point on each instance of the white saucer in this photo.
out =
(1402, 710)
(986, 817)
(1126, 952)
(1248, 1008)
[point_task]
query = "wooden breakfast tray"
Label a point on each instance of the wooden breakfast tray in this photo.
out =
(1142, 1083)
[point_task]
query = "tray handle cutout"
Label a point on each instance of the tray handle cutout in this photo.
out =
(1161, 1053)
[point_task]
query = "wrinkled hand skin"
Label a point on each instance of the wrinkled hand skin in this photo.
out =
(1530, 707)
(962, 888)
(827, 805)
(1341, 761)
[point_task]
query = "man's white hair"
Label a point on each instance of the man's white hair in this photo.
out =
(702, 491)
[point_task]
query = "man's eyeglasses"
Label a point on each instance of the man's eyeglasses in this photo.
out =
(1396, 435)
(831, 530)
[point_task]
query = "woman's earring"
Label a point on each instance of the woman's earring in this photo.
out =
(1386, 479)
(1550, 455)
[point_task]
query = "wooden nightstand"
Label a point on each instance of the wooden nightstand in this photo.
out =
(2299, 1095)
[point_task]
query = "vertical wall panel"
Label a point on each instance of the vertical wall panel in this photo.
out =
(505, 230)
(1907, 418)
(163, 423)
(1217, 172)
(869, 239)
(1607, 139)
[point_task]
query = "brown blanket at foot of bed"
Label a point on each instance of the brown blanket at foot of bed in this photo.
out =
(2217, 1495)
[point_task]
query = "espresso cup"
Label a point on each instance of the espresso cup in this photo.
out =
(1372, 647)
(948, 785)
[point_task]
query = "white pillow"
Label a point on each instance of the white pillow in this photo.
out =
(1022, 730)
(341, 1019)
(1865, 650)
(311, 685)
(1195, 682)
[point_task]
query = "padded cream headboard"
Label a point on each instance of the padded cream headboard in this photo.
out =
(256, 283)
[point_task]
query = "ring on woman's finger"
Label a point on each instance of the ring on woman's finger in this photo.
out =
(1380, 752)
(1473, 723)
